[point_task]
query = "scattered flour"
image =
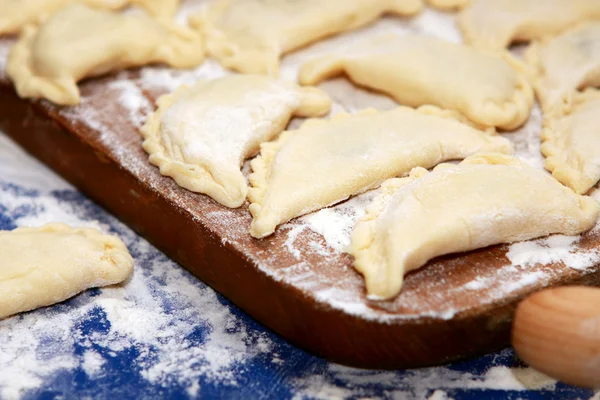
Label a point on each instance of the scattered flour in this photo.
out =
(439, 395)
(526, 140)
(294, 231)
(37, 346)
(92, 363)
(556, 248)
(131, 97)
(336, 224)
(428, 383)
(169, 80)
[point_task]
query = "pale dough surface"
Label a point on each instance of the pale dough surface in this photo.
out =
(18, 13)
(448, 4)
(417, 70)
(327, 161)
(250, 36)
(566, 63)
(495, 24)
(80, 41)
(46, 265)
(571, 141)
(487, 199)
(200, 135)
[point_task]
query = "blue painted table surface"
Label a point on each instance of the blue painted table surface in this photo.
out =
(164, 334)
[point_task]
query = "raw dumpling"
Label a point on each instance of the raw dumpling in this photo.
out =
(413, 69)
(566, 63)
(485, 200)
(448, 4)
(571, 141)
(18, 13)
(327, 161)
(201, 135)
(79, 42)
(161, 9)
(46, 265)
(495, 24)
(251, 35)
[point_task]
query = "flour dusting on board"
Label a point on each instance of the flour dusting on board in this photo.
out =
(205, 340)
(173, 329)
(334, 224)
(133, 316)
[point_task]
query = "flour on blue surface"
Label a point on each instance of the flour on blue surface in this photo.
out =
(165, 331)
(165, 334)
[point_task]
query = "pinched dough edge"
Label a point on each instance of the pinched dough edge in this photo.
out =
(188, 176)
(508, 115)
(557, 157)
(262, 167)
(533, 60)
(113, 267)
(157, 8)
(196, 178)
(184, 50)
(263, 163)
(535, 70)
(364, 247)
(507, 35)
(116, 259)
(364, 233)
(267, 60)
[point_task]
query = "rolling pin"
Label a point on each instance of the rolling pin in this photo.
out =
(557, 331)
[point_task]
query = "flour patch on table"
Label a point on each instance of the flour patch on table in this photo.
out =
(36, 346)
(422, 384)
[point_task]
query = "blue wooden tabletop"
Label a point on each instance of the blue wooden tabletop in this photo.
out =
(164, 334)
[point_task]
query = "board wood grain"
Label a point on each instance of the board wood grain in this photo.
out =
(314, 299)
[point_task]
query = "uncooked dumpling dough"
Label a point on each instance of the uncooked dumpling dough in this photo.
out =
(448, 4)
(251, 35)
(79, 42)
(495, 24)
(566, 63)
(327, 161)
(485, 200)
(571, 141)
(46, 265)
(201, 135)
(161, 9)
(17, 13)
(413, 69)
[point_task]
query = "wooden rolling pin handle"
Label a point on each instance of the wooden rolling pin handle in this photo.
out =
(557, 331)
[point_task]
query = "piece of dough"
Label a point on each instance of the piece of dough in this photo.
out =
(201, 135)
(46, 265)
(79, 42)
(495, 24)
(413, 69)
(485, 200)
(448, 5)
(251, 35)
(571, 141)
(18, 13)
(327, 161)
(161, 9)
(566, 63)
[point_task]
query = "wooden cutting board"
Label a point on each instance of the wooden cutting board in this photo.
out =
(298, 282)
